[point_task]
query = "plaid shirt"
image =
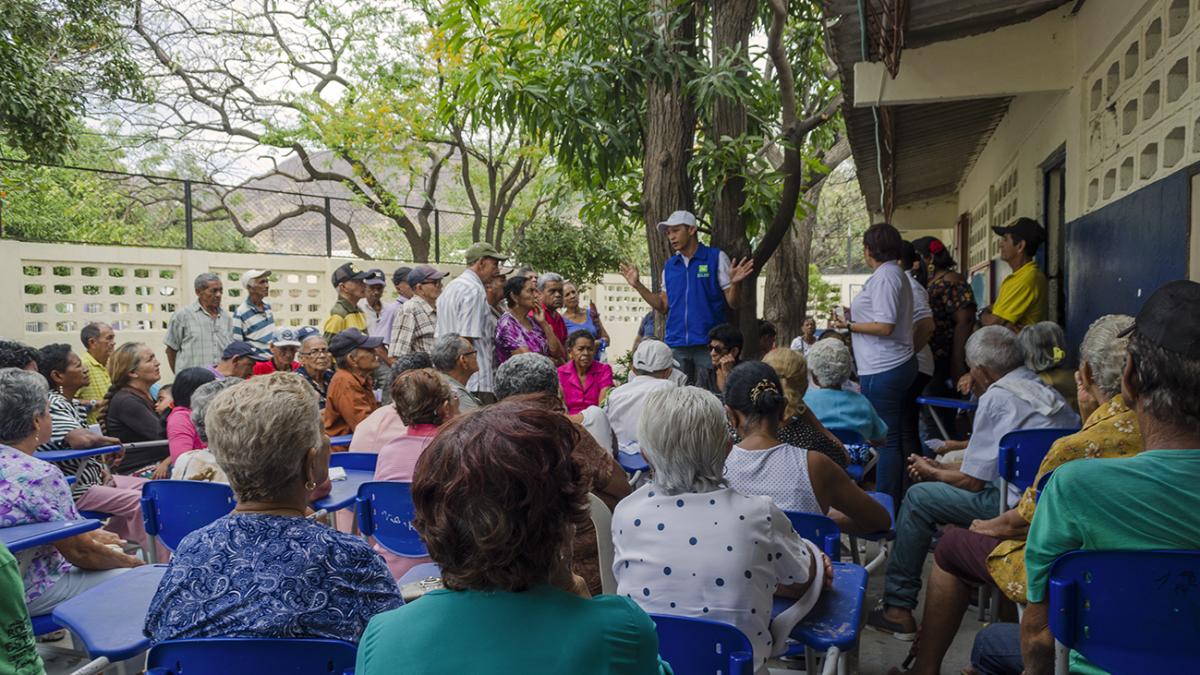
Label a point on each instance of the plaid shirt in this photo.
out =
(413, 328)
(197, 337)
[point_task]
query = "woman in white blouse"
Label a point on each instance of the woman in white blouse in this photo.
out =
(688, 545)
(881, 327)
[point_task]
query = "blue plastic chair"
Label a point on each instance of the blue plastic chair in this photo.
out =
(172, 509)
(699, 646)
(1041, 485)
(357, 461)
(1021, 453)
(820, 530)
(1127, 611)
(832, 627)
(385, 511)
(107, 619)
(251, 656)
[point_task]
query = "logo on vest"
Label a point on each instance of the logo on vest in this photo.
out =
(702, 272)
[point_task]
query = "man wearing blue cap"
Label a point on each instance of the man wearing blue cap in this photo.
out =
(415, 324)
(698, 284)
(237, 360)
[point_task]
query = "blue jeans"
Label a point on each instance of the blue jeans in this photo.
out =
(926, 506)
(888, 392)
(692, 360)
(997, 650)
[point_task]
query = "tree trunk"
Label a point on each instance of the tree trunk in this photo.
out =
(669, 135)
(786, 293)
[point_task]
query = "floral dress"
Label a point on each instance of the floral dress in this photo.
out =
(946, 298)
(511, 336)
(33, 491)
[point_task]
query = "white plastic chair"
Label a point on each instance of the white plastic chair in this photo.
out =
(602, 520)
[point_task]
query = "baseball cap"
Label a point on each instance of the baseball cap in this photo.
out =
(238, 348)
(652, 356)
(286, 338)
(347, 272)
(375, 277)
(1025, 229)
(306, 332)
(422, 273)
(1170, 318)
(400, 275)
(677, 218)
(350, 339)
(251, 275)
(482, 249)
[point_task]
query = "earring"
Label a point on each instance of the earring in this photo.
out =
(310, 486)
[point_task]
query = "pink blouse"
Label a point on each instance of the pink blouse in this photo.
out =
(181, 433)
(397, 459)
(578, 396)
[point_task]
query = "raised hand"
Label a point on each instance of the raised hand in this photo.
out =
(740, 270)
(630, 273)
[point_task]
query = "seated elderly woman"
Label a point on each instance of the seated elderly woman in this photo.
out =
(497, 495)
(95, 488)
(1044, 346)
(351, 395)
(1011, 398)
(585, 381)
(670, 560)
(992, 551)
(602, 476)
(33, 491)
(796, 479)
(802, 428)
(128, 410)
(266, 435)
(316, 364)
(424, 403)
(830, 365)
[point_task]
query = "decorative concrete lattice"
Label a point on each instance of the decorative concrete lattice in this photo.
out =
(1143, 118)
(297, 297)
(64, 297)
(978, 235)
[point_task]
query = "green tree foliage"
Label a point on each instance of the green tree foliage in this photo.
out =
(53, 55)
(580, 253)
(823, 296)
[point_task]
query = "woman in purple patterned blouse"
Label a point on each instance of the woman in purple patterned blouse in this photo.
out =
(523, 328)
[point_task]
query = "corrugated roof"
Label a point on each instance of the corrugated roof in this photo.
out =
(935, 143)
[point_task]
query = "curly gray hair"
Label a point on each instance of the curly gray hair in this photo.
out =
(1104, 351)
(526, 373)
(204, 395)
(23, 396)
(830, 363)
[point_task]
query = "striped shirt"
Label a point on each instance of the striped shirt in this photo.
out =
(66, 417)
(98, 383)
(197, 337)
(253, 325)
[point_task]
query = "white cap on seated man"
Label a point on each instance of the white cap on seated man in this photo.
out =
(654, 367)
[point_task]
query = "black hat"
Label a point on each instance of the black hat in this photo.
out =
(238, 348)
(1170, 318)
(348, 272)
(1026, 229)
(400, 275)
(350, 339)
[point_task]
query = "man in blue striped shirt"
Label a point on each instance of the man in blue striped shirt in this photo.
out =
(253, 321)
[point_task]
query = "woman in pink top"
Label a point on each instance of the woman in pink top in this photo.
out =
(424, 402)
(584, 380)
(181, 433)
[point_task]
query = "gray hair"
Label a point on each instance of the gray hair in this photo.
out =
(260, 432)
(830, 363)
(91, 332)
(23, 396)
(548, 278)
(526, 373)
(447, 350)
(1038, 343)
(204, 395)
(1167, 383)
(995, 348)
(317, 336)
(683, 435)
(203, 280)
(1104, 351)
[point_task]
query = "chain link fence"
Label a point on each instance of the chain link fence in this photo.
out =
(43, 203)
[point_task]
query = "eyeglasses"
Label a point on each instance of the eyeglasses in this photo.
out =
(315, 352)
(470, 352)
(719, 350)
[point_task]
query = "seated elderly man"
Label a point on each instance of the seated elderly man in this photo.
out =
(33, 491)
(384, 425)
(454, 357)
(317, 582)
(652, 367)
(1012, 397)
(537, 375)
(1142, 503)
(992, 552)
(238, 361)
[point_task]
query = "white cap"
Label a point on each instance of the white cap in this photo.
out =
(652, 356)
(677, 218)
(251, 275)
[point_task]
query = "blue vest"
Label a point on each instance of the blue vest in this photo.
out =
(695, 301)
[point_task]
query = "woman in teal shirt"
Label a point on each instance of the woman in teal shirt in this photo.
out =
(497, 496)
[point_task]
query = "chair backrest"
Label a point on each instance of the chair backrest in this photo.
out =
(1022, 451)
(358, 461)
(819, 529)
(848, 436)
(385, 511)
(171, 509)
(699, 646)
(602, 520)
(1128, 611)
(250, 656)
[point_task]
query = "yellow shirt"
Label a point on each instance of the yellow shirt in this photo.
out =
(343, 315)
(98, 383)
(1111, 431)
(1023, 298)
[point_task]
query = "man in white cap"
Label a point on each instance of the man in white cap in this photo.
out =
(698, 284)
(652, 368)
(371, 305)
(253, 322)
